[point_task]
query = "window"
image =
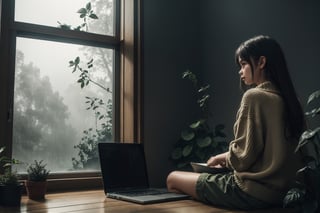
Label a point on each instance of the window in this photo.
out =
(72, 71)
(54, 119)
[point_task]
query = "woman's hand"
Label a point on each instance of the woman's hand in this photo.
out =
(218, 160)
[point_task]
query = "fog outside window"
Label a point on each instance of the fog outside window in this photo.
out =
(63, 94)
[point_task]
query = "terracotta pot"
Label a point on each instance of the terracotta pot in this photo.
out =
(36, 190)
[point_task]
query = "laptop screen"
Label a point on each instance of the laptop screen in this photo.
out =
(122, 166)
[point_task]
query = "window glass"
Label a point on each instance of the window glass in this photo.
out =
(62, 103)
(95, 16)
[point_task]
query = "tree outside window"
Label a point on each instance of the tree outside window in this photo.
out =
(57, 117)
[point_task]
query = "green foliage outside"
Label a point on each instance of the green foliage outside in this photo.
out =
(199, 140)
(88, 146)
(85, 13)
(42, 120)
(102, 110)
(40, 116)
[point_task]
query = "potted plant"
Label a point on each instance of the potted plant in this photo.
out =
(36, 183)
(199, 140)
(306, 195)
(10, 187)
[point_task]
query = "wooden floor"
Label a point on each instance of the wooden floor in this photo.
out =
(94, 201)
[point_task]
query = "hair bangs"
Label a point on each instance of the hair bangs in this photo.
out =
(242, 53)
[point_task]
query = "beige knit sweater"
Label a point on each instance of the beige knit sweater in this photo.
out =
(263, 160)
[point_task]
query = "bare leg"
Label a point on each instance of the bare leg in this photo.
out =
(183, 182)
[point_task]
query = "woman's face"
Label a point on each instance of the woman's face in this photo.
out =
(245, 72)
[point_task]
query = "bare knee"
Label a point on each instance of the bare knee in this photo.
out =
(171, 179)
(183, 182)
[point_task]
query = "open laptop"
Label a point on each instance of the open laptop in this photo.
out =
(124, 174)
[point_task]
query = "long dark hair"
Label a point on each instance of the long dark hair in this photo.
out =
(276, 71)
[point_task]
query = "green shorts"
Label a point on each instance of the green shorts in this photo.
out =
(222, 190)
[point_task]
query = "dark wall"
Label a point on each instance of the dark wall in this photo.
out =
(296, 26)
(171, 47)
(202, 36)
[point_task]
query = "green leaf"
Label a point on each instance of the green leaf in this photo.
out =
(93, 16)
(90, 62)
(7, 164)
(192, 77)
(306, 137)
(187, 135)
(82, 15)
(64, 26)
(88, 6)
(313, 96)
(204, 142)
(195, 124)
(77, 28)
(186, 74)
(177, 153)
(2, 149)
(82, 11)
(293, 196)
(71, 63)
(313, 112)
(15, 161)
(77, 60)
(309, 134)
(187, 150)
(203, 100)
(204, 88)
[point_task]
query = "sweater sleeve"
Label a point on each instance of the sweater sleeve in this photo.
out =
(248, 144)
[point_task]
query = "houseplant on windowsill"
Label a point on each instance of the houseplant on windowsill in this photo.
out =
(36, 184)
(10, 187)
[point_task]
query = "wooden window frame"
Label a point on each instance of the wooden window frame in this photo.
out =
(127, 86)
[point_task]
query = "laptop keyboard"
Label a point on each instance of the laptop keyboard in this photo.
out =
(142, 192)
